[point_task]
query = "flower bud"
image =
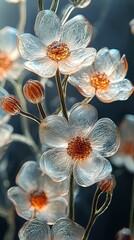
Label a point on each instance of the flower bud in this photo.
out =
(10, 105)
(33, 91)
(108, 184)
(80, 3)
(124, 234)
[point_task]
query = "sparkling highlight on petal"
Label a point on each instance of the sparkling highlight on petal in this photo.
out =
(79, 148)
(38, 200)
(58, 51)
(99, 80)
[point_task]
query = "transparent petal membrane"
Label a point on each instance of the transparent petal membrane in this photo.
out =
(66, 229)
(35, 230)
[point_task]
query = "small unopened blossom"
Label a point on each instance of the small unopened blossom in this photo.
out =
(63, 229)
(11, 66)
(132, 26)
(4, 116)
(105, 78)
(124, 234)
(125, 154)
(80, 3)
(33, 91)
(37, 196)
(108, 184)
(79, 145)
(56, 46)
(10, 104)
(5, 138)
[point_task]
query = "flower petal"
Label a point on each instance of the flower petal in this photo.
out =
(8, 42)
(30, 47)
(77, 59)
(66, 229)
(56, 163)
(104, 137)
(16, 70)
(35, 230)
(77, 33)
(120, 71)
(53, 211)
(47, 27)
(91, 170)
(44, 67)
(54, 131)
(28, 177)
(116, 91)
(82, 119)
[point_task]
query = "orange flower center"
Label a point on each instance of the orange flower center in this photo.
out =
(128, 148)
(5, 63)
(99, 80)
(58, 51)
(38, 200)
(79, 148)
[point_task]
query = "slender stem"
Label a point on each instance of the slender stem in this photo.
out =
(87, 100)
(40, 5)
(54, 5)
(66, 12)
(131, 221)
(41, 110)
(23, 17)
(31, 116)
(61, 94)
(71, 197)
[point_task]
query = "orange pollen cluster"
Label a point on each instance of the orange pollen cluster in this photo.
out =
(38, 200)
(79, 148)
(58, 51)
(128, 148)
(99, 80)
(5, 63)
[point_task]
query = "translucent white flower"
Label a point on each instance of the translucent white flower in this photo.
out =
(105, 78)
(81, 145)
(57, 46)
(37, 196)
(125, 154)
(5, 138)
(63, 229)
(11, 66)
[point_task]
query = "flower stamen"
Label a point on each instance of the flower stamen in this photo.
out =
(38, 200)
(58, 51)
(99, 80)
(79, 148)
(5, 63)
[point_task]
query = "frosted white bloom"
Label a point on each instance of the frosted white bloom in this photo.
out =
(57, 46)
(5, 138)
(37, 196)
(11, 66)
(79, 145)
(63, 229)
(105, 78)
(125, 154)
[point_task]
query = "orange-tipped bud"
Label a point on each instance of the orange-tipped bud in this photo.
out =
(108, 184)
(124, 234)
(33, 91)
(10, 105)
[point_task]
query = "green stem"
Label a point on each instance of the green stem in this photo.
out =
(22, 21)
(61, 94)
(131, 221)
(41, 110)
(30, 116)
(54, 5)
(40, 5)
(71, 197)
(67, 11)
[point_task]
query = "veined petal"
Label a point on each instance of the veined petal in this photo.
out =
(53, 210)
(28, 177)
(91, 170)
(30, 47)
(54, 131)
(35, 230)
(66, 229)
(116, 91)
(47, 27)
(19, 198)
(82, 119)
(77, 59)
(8, 42)
(77, 33)
(84, 88)
(104, 137)
(120, 71)
(56, 163)
(44, 67)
